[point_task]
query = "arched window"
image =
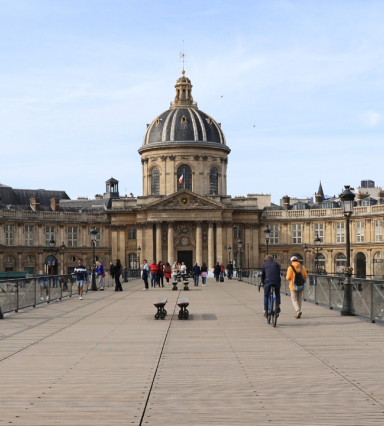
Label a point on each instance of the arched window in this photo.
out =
(341, 262)
(300, 258)
(184, 177)
(132, 234)
(320, 262)
(155, 182)
(213, 181)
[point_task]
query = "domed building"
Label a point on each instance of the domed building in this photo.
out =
(184, 148)
(185, 213)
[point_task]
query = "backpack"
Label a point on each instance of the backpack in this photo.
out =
(298, 282)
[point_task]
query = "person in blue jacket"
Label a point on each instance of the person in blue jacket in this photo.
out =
(196, 271)
(270, 276)
(100, 272)
(81, 277)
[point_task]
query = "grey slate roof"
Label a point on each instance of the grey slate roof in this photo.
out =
(21, 197)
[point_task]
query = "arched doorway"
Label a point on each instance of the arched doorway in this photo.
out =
(378, 265)
(361, 265)
(50, 265)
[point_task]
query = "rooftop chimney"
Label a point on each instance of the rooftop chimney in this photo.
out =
(35, 203)
(318, 198)
(55, 204)
(286, 200)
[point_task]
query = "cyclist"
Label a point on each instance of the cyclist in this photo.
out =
(270, 276)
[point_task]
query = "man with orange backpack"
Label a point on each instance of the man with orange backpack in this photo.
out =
(296, 275)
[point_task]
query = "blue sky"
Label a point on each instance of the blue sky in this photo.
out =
(79, 80)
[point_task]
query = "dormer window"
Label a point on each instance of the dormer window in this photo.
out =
(158, 121)
(184, 120)
(209, 120)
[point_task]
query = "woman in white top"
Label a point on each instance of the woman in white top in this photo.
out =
(183, 269)
(174, 271)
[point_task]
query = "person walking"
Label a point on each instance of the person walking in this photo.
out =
(222, 275)
(217, 271)
(204, 273)
(270, 276)
(153, 267)
(146, 271)
(118, 270)
(167, 272)
(230, 270)
(160, 274)
(81, 276)
(111, 270)
(296, 275)
(174, 271)
(196, 271)
(183, 270)
(100, 272)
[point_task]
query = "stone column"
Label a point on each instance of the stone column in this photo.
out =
(158, 242)
(114, 232)
(40, 263)
(61, 235)
(211, 242)
(149, 242)
(2, 235)
(121, 248)
(199, 244)
(41, 235)
(171, 248)
(247, 246)
(1, 261)
(255, 245)
(19, 267)
(219, 242)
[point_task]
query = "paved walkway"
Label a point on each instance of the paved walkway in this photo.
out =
(106, 361)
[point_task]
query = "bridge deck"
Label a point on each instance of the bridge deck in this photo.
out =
(105, 361)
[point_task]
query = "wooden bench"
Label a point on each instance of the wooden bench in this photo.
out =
(161, 312)
(183, 303)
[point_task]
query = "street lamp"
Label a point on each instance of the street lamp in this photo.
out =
(267, 235)
(239, 246)
(138, 255)
(229, 254)
(93, 233)
(347, 198)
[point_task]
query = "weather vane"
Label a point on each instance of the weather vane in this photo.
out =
(182, 57)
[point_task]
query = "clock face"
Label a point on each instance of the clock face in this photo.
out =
(184, 201)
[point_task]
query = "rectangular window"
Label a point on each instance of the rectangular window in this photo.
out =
(296, 234)
(72, 236)
(340, 232)
(237, 234)
(49, 234)
(319, 231)
(28, 235)
(360, 231)
(378, 230)
(132, 234)
(9, 235)
(98, 237)
(274, 235)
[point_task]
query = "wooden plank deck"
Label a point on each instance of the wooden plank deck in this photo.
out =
(105, 361)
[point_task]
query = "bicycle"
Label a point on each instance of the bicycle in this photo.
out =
(272, 314)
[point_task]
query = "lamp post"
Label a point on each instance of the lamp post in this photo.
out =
(347, 198)
(248, 255)
(267, 235)
(229, 253)
(239, 246)
(93, 233)
(138, 256)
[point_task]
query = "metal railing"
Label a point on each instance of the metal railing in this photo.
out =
(328, 290)
(20, 293)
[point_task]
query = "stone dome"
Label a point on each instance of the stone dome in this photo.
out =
(184, 123)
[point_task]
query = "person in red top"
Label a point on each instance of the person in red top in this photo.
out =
(154, 269)
(168, 272)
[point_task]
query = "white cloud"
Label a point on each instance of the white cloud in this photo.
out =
(372, 118)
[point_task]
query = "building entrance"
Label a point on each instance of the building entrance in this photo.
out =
(186, 256)
(361, 265)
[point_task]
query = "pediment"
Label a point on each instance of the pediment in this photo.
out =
(177, 201)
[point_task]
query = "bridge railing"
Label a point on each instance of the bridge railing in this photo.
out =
(20, 293)
(328, 290)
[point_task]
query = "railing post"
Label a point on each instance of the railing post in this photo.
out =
(61, 289)
(330, 292)
(316, 290)
(17, 298)
(49, 288)
(372, 318)
(35, 281)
